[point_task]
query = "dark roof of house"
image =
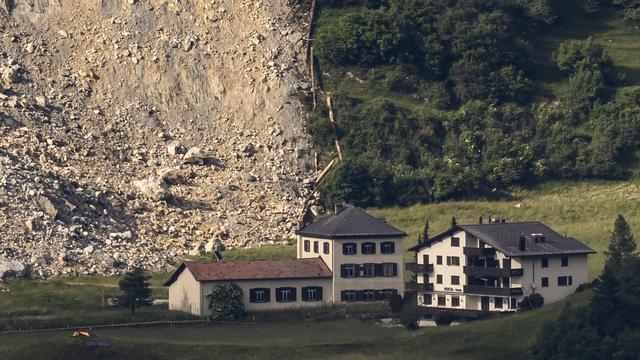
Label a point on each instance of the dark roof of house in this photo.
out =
(253, 270)
(505, 237)
(351, 222)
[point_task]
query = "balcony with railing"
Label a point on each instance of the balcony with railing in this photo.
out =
(517, 272)
(473, 251)
(486, 271)
(413, 286)
(419, 268)
(492, 291)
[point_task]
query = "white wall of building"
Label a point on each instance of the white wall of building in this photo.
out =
(578, 269)
(246, 285)
(184, 294)
(443, 248)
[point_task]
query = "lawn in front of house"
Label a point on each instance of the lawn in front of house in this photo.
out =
(502, 337)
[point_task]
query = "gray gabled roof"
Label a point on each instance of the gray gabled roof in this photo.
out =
(506, 238)
(352, 222)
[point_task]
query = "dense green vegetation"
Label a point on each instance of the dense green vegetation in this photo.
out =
(609, 326)
(442, 99)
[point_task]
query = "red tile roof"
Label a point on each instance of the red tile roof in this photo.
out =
(254, 270)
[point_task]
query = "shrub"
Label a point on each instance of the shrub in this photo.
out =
(575, 55)
(444, 318)
(396, 304)
(225, 302)
(531, 302)
(409, 315)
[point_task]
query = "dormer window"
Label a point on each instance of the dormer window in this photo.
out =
(369, 248)
(349, 249)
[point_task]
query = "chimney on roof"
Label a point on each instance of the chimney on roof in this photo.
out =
(338, 208)
(523, 243)
(480, 220)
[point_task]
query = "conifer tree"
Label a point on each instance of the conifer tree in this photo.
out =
(604, 313)
(622, 246)
(425, 232)
(135, 290)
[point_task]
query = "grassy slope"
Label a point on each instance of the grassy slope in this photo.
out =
(505, 337)
(619, 38)
(585, 211)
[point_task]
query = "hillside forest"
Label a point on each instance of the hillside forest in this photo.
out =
(446, 99)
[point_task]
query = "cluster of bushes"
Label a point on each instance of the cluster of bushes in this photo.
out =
(609, 327)
(478, 127)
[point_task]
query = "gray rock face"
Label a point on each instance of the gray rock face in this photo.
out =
(9, 268)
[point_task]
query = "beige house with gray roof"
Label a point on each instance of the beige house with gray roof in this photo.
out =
(491, 267)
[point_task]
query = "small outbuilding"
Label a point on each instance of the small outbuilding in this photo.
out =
(266, 285)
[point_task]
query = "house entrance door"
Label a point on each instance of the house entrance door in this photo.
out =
(485, 303)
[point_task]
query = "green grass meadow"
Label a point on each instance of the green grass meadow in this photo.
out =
(503, 337)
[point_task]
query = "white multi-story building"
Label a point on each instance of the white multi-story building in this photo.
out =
(491, 267)
(350, 256)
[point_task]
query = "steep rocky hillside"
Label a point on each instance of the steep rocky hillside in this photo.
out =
(134, 131)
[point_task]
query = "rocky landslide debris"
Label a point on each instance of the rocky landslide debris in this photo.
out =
(133, 133)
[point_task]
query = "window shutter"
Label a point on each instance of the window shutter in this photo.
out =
(278, 294)
(395, 269)
(305, 295)
(393, 247)
(342, 270)
(373, 248)
(267, 294)
(343, 295)
(378, 270)
(448, 260)
(252, 295)
(319, 293)
(293, 293)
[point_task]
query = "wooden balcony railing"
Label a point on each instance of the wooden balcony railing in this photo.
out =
(486, 271)
(412, 286)
(517, 272)
(493, 291)
(471, 251)
(419, 268)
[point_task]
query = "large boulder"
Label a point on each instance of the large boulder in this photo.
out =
(9, 268)
(154, 188)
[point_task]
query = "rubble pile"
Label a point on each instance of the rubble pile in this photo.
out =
(133, 133)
